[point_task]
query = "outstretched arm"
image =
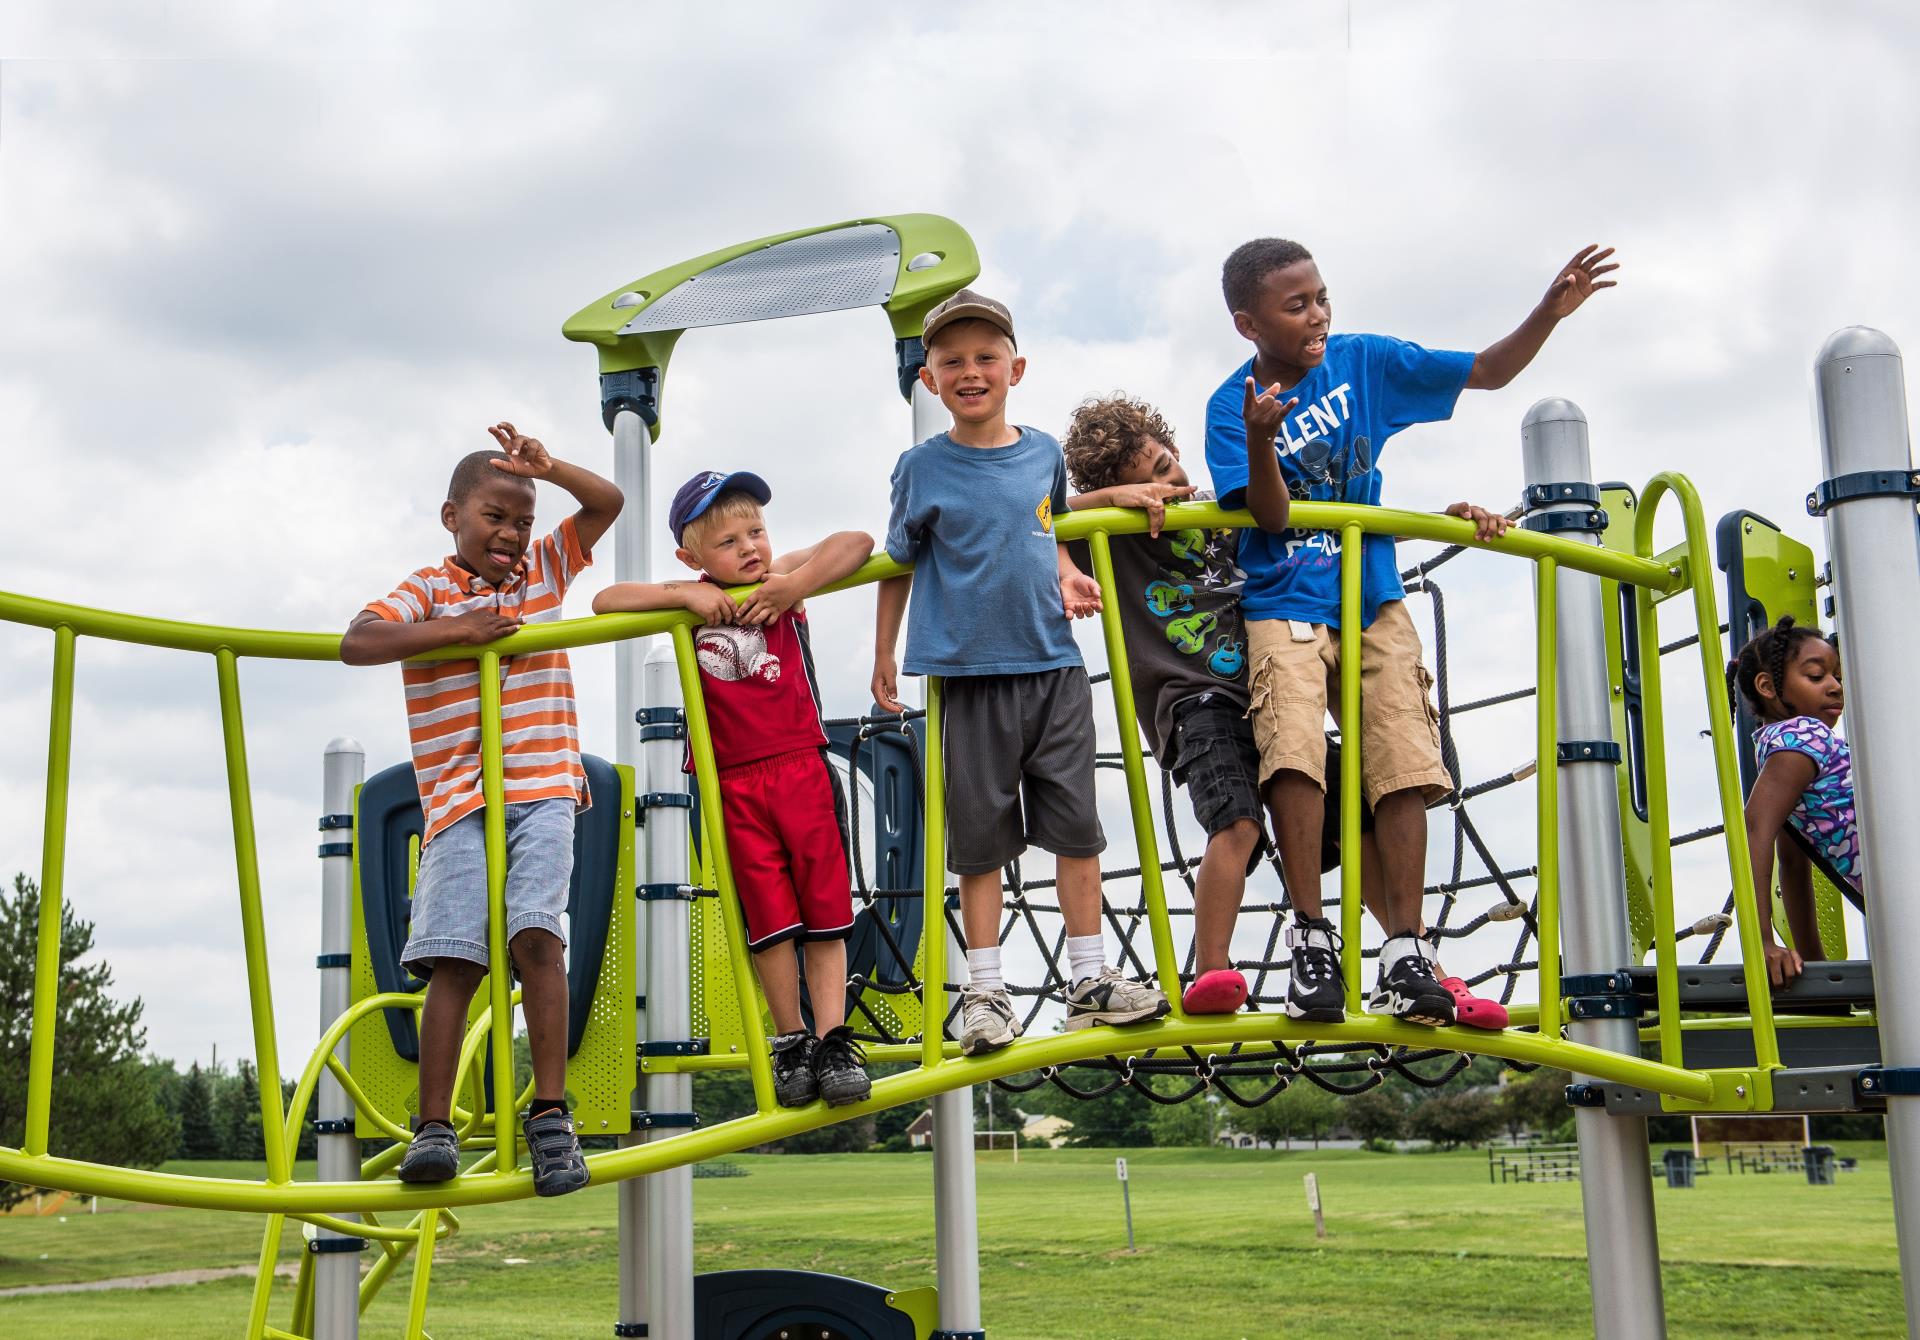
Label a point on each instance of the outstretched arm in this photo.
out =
(1578, 280)
(712, 604)
(1267, 496)
(372, 640)
(600, 499)
(1149, 498)
(1783, 779)
(890, 609)
(799, 574)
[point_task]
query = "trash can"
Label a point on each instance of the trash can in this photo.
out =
(1679, 1167)
(1822, 1167)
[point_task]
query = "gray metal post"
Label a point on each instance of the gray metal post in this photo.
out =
(1616, 1189)
(1860, 401)
(631, 563)
(336, 1275)
(669, 1014)
(956, 1220)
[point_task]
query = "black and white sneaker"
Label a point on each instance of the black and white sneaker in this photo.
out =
(794, 1084)
(1408, 987)
(837, 1070)
(1315, 994)
(1109, 998)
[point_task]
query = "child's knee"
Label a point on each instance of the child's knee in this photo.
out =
(537, 950)
(1241, 836)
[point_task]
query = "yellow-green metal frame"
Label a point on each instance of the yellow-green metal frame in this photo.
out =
(498, 1176)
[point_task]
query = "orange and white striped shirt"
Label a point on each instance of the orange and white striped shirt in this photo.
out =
(539, 734)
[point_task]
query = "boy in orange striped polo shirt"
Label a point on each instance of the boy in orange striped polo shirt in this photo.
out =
(497, 579)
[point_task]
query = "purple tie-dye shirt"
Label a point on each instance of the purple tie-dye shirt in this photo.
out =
(1824, 813)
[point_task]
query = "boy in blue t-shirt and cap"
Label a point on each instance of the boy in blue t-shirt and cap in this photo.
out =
(1315, 433)
(992, 593)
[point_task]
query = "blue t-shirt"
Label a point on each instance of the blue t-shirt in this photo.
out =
(1367, 389)
(977, 524)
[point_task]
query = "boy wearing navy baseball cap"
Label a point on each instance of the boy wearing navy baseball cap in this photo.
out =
(776, 792)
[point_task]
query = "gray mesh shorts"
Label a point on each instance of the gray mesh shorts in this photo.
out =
(449, 918)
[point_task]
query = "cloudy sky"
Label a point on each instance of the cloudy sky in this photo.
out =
(262, 279)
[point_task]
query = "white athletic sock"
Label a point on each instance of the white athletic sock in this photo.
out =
(983, 970)
(1085, 957)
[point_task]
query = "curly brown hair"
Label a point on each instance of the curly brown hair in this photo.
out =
(1106, 433)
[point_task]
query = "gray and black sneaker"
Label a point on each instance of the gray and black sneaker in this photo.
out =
(432, 1156)
(1109, 998)
(1408, 988)
(836, 1068)
(987, 1022)
(794, 1084)
(1314, 991)
(558, 1164)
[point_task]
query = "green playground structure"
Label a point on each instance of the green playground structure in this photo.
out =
(661, 979)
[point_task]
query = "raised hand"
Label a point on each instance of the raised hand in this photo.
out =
(480, 627)
(1486, 525)
(1264, 412)
(526, 456)
(1578, 280)
(1079, 595)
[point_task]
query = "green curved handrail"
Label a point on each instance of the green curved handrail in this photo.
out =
(1654, 578)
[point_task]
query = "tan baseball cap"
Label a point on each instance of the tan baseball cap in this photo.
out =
(966, 305)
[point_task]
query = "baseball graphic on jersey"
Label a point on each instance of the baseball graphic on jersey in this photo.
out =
(734, 652)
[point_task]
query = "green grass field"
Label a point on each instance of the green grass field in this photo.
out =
(1416, 1244)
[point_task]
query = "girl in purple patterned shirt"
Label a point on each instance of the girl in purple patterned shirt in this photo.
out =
(1803, 797)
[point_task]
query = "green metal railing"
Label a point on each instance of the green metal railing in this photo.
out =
(1655, 579)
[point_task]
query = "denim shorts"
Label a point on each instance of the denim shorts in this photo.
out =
(449, 915)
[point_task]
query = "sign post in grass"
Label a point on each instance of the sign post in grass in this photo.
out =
(1126, 1197)
(1313, 1203)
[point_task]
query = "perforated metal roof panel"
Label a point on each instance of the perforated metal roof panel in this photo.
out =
(823, 272)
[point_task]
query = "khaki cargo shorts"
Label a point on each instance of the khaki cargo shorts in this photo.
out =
(1295, 678)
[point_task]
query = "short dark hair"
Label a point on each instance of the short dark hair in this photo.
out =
(473, 471)
(1768, 651)
(1106, 433)
(1251, 262)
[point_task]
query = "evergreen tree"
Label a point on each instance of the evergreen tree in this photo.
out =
(106, 1105)
(198, 1139)
(236, 1113)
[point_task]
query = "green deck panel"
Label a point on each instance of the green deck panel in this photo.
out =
(1636, 837)
(600, 1074)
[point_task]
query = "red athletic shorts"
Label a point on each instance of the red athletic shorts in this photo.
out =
(789, 861)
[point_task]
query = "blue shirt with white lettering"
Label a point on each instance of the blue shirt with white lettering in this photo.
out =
(977, 524)
(1367, 389)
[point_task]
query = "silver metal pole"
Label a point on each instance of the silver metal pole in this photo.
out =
(336, 1275)
(669, 1015)
(1861, 404)
(956, 1220)
(631, 563)
(1616, 1190)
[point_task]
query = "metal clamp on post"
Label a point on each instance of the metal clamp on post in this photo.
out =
(958, 1335)
(1863, 484)
(1552, 523)
(1557, 493)
(1586, 1095)
(661, 723)
(1536, 496)
(630, 1328)
(909, 356)
(656, 800)
(328, 1246)
(689, 1047)
(1603, 1007)
(637, 390)
(654, 893)
(655, 1121)
(333, 1126)
(1597, 984)
(1587, 751)
(335, 849)
(1887, 1081)
(329, 822)
(333, 960)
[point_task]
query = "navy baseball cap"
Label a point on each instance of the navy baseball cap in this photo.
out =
(697, 495)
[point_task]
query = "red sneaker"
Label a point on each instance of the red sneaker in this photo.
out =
(1221, 991)
(1474, 1011)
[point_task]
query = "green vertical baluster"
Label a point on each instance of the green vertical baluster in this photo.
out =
(53, 870)
(499, 976)
(253, 931)
(1547, 793)
(1666, 952)
(1350, 746)
(933, 906)
(1153, 889)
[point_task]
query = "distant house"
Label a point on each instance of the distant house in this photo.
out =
(1232, 1139)
(1050, 1131)
(920, 1133)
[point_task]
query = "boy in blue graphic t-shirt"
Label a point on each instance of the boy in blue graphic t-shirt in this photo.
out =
(1316, 432)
